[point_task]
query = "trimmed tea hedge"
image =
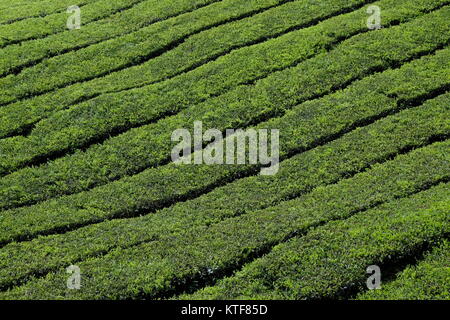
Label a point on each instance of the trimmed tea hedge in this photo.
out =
(88, 122)
(17, 57)
(11, 13)
(319, 264)
(162, 186)
(42, 26)
(333, 259)
(150, 145)
(124, 51)
(211, 43)
(428, 280)
(379, 184)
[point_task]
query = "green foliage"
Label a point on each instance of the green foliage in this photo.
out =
(102, 58)
(428, 280)
(239, 67)
(10, 12)
(352, 153)
(148, 12)
(379, 184)
(234, 109)
(40, 27)
(316, 265)
(364, 149)
(196, 50)
(333, 258)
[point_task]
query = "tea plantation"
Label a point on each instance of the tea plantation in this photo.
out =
(86, 177)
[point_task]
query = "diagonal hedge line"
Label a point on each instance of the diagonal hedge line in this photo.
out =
(97, 61)
(428, 74)
(215, 73)
(428, 280)
(198, 49)
(87, 66)
(332, 259)
(99, 118)
(208, 270)
(11, 13)
(382, 183)
(35, 28)
(162, 186)
(18, 3)
(15, 192)
(16, 58)
(181, 262)
(61, 23)
(124, 51)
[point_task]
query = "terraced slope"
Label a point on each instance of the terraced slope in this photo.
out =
(36, 28)
(332, 259)
(86, 176)
(429, 279)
